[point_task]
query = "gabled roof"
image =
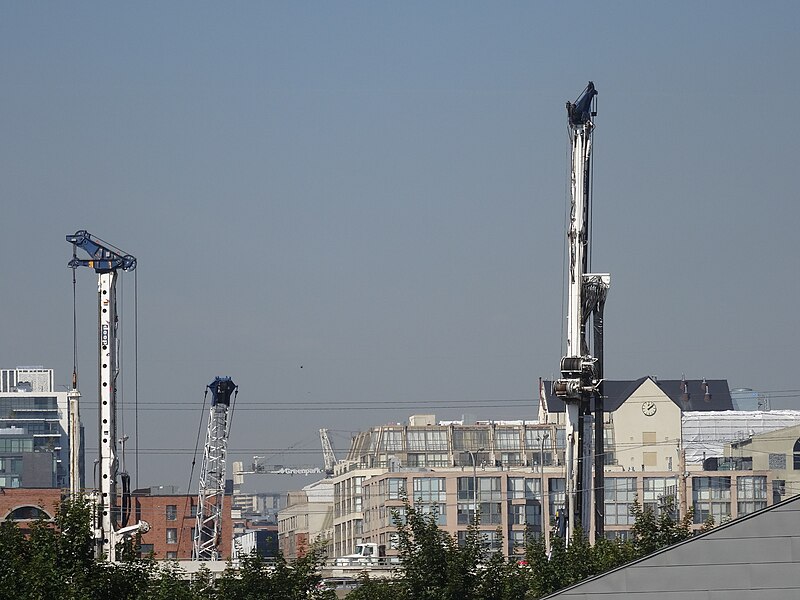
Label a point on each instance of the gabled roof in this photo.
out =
(687, 394)
(750, 557)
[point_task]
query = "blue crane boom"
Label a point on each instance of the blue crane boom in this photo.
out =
(104, 256)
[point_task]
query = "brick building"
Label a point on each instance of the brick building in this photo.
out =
(172, 519)
(25, 505)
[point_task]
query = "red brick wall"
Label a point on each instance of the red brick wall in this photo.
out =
(47, 499)
(152, 509)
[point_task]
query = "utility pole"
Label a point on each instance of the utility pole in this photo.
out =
(73, 401)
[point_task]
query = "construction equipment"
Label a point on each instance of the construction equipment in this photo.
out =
(106, 260)
(327, 452)
(211, 498)
(259, 467)
(581, 369)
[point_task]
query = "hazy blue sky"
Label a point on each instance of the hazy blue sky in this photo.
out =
(356, 209)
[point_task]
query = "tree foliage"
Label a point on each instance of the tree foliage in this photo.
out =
(56, 560)
(436, 567)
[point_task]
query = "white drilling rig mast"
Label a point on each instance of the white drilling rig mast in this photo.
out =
(211, 498)
(580, 385)
(106, 260)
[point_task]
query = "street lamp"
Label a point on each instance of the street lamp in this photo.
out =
(472, 455)
(545, 435)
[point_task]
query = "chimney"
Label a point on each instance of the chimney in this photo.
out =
(684, 391)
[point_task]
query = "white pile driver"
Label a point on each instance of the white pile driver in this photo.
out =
(580, 385)
(110, 526)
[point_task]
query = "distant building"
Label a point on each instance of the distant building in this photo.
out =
(34, 443)
(747, 399)
(777, 451)
(263, 542)
(663, 439)
(25, 506)
(307, 518)
(172, 518)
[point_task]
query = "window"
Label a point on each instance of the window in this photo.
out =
(429, 489)
(507, 439)
(511, 459)
(516, 542)
(751, 494)
(520, 488)
(172, 512)
(429, 459)
(620, 493)
(778, 490)
(535, 437)
(656, 490)
(395, 516)
(712, 499)
(27, 513)
(470, 439)
(466, 489)
(557, 496)
(609, 445)
(396, 488)
(489, 488)
(423, 440)
(797, 455)
(146, 550)
(529, 514)
(172, 536)
(490, 513)
(465, 513)
(440, 510)
(490, 541)
(488, 497)
(392, 440)
(172, 555)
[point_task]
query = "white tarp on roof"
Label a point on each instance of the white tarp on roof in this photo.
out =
(705, 434)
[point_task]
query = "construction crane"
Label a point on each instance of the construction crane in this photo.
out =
(259, 467)
(327, 452)
(211, 497)
(580, 385)
(106, 260)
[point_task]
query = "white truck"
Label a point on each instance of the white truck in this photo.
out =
(367, 554)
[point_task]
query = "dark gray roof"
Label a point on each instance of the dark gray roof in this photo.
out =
(699, 395)
(749, 557)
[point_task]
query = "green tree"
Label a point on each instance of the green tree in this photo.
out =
(257, 579)
(653, 530)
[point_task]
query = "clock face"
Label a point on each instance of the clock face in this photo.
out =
(649, 408)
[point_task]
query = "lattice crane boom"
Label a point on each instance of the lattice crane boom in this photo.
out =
(327, 451)
(211, 497)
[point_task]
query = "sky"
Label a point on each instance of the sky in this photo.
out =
(356, 209)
